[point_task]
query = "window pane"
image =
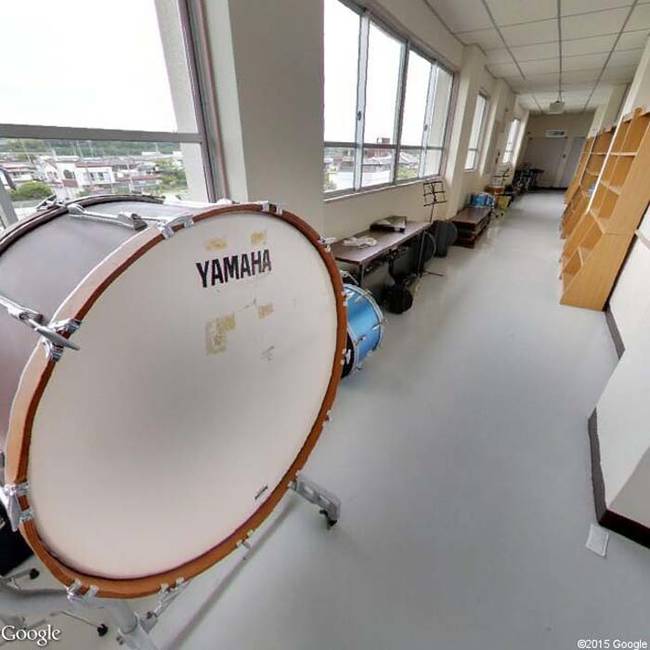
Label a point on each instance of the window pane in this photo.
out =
(470, 162)
(377, 166)
(338, 168)
(409, 163)
(71, 169)
(384, 54)
(415, 100)
(512, 137)
(477, 123)
(442, 97)
(432, 162)
(341, 62)
(92, 64)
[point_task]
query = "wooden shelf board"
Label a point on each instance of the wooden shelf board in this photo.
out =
(583, 253)
(613, 188)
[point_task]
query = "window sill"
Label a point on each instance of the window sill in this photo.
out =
(379, 188)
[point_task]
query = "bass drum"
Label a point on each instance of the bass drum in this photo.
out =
(365, 327)
(150, 452)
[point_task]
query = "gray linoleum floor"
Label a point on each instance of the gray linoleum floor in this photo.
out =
(460, 453)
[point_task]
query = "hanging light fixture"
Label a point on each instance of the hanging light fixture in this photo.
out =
(557, 106)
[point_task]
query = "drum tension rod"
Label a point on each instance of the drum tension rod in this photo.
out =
(132, 220)
(52, 333)
(126, 219)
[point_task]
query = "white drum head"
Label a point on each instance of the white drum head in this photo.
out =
(195, 389)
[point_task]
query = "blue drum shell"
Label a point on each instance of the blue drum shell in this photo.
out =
(365, 325)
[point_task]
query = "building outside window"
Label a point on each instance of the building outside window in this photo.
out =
(386, 105)
(476, 134)
(513, 134)
(137, 127)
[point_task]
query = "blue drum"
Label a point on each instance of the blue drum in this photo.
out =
(365, 327)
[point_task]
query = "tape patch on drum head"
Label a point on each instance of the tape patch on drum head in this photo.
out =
(216, 333)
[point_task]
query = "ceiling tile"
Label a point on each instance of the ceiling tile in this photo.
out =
(584, 62)
(541, 31)
(592, 45)
(640, 18)
(539, 67)
(462, 15)
(583, 6)
(632, 40)
(503, 69)
(499, 55)
(509, 12)
(626, 57)
(579, 76)
(594, 24)
(486, 38)
(619, 74)
(535, 52)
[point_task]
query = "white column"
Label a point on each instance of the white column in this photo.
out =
(268, 62)
(468, 87)
(639, 94)
(607, 113)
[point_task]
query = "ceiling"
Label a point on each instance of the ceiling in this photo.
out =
(590, 45)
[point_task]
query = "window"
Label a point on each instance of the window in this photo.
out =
(135, 128)
(386, 105)
(476, 135)
(513, 133)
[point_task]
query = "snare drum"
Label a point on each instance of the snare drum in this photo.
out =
(365, 327)
(150, 451)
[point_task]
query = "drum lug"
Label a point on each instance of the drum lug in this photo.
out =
(271, 208)
(52, 333)
(11, 494)
(326, 243)
(166, 228)
(53, 339)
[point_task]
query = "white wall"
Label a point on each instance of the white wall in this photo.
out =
(268, 62)
(623, 408)
(576, 125)
(639, 93)
(609, 111)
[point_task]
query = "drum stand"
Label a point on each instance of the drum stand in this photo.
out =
(133, 630)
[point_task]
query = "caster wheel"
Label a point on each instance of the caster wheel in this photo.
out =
(102, 630)
(330, 522)
(34, 573)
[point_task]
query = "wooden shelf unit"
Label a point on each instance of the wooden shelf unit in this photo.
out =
(577, 177)
(585, 179)
(598, 241)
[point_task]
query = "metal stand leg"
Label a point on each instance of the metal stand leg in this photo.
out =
(329, 504)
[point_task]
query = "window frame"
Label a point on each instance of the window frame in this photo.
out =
(506, 159)
(481, 134)
(193, 30)
(359, 145)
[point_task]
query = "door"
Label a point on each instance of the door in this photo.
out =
(571, 161)
(546, 154)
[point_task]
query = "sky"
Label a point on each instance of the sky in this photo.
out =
(84, 63)
(341, 35)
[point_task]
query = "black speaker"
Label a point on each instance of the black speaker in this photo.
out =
(446, 234)
(398, 298)
(14, 550)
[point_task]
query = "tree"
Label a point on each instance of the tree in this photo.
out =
(31, 190)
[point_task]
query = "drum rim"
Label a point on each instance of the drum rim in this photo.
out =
(12, 234)
(38, 371)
